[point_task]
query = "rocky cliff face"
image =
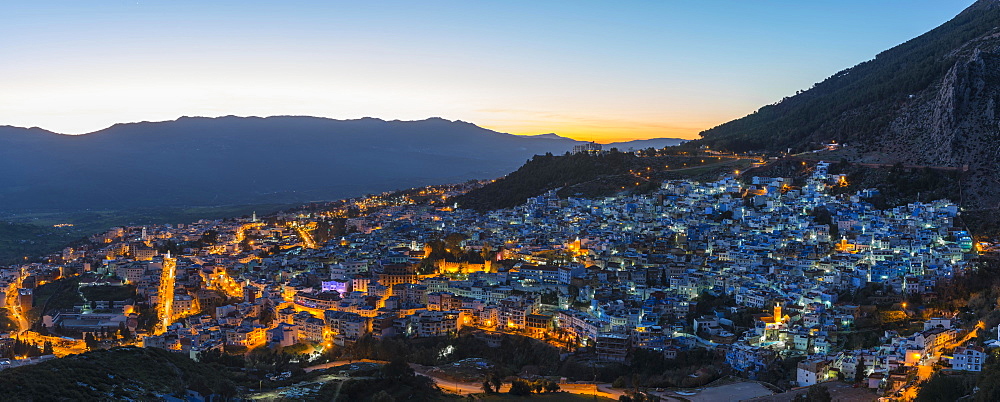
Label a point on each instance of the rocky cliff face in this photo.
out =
(954, 123)
(931, 101)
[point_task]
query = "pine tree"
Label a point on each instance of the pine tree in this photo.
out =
(125, 333)
(859, 371)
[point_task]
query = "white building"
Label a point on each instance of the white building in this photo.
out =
(811, 372)
(968, 359)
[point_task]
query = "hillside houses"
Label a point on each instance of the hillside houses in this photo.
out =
(615, 273)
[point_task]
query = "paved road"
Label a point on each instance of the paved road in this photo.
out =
(603, 390)
(460, 388)
(465, 388)
(729, 392)
(291, 390)
(341, 363)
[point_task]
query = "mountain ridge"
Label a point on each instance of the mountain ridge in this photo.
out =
(249, 160)
(182, 119)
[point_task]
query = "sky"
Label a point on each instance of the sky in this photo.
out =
(591, 70)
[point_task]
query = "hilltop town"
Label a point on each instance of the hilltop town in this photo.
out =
(756, 271)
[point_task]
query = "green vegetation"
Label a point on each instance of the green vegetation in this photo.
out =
(6, 323)
(989, 380)
(327, 229)
(975, 292)
(60, 294)
(115, 374)
(587, 175)
(896, 185)
(108, 292)
(450, 250)
(942, 387)
(543, 173)
(21, 240)
(816, 393)
(514, 353)
(854, 105)
(557, 397)
(20, 349)
(691, 368)
(395, 381)
(982, 223)
(518, 355)
(520, 387)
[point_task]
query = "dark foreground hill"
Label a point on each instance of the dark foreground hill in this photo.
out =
(115, 375)
(250, 160)
(153, 374)
(931, 101)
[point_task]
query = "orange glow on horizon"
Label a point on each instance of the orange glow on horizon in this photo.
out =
(602, 131)
(604, 135)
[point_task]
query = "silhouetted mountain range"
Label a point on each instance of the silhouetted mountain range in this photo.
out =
(242, 160)
(931, 101)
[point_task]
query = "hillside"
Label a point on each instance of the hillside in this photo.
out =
(897, 184)
(114, 375)
(198, 161)
(929, 101)
(19, 240)
(586, 175)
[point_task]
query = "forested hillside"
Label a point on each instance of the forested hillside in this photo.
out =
(928, 102)
(115, 375)
(595, 175)
(857, 104)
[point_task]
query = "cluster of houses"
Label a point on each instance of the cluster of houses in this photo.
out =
(889, 366)
(614, 273)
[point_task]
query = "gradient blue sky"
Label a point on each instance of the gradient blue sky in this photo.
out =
(585, 69)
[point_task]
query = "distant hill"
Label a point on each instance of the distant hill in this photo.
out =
(18, 240)
(249, 160)
(931, 101)
(645, 144)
